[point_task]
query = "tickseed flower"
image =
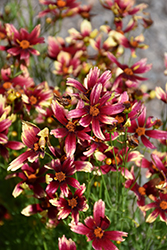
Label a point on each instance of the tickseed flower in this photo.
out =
(95, 229)
(161, 94)
(5, 123)
(61, 176)
(160, 206)
(141, 129)
(65, 244)
(96, 110)
(44, 207)
(38, 97)
(70, 130)
(72, 204)
(35, 139)
(22, 42)
(32, 176)
(130, 73)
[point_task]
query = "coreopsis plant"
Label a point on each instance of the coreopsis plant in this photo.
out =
(77, 146)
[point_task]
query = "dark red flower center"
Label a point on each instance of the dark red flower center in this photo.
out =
(140, 131)
(163, 205)
(142, 190)
(72, 202)
(94, 111)
(61, 3)
(33, 100)
(24, 44)
(128, 71)
(60, 176)
(98, 232)
(71, 126)
(7, 85)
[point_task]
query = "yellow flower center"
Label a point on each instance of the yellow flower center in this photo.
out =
(61, 3)
(94, 111)
(7, 85)
(70, 126)
(128, 71)
(60, 176)
(108, 161)
(142, 190)
(72, 202)
(140, 131)
(163, 205)
(36, 146)
(24, 44)
(33, 100)
(98, 232)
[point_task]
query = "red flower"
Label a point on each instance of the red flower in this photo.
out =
(71, 131)
(22, 42)
(72, 204)
(35, 139)
(130, 73)
(160, 206)
(95, 229)
(65, 244)
(142, 129)
(62, 176)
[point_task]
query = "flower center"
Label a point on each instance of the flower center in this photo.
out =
(163, 205)
(72, 202)
(142, 190)
(60, 176)
(128, 71)
(36, 146)
(94, 111)
(24, 44)
(116, 161)
(33, 100)
(140, 131)
(119, 118)
(7, 85)
(134, 44)
(61, 3)
(70, 126)
(2, 35)
(32, 178)
(98, 232)
(108, 161)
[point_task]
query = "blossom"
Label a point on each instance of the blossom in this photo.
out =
(65, 244)
(22, 41)
(130, 73)
(96, 110)
(73, 203)
(37, 97)
(32, 176)
(160, 205)
(70, 130)
(95, 229)
(142, 129)
(35, 139)
(61, 176)
(161, 94)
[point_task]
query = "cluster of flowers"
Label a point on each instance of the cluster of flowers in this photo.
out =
(93, 122)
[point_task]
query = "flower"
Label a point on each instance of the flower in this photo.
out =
(130, 73)
(61, 177)
(72, 204)
(142, 129)
(160, 206)
(71, 131)
(35, 139)
(95, 229)
(161, 94)
(65, 244)
(22, 42)
(31, 177)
